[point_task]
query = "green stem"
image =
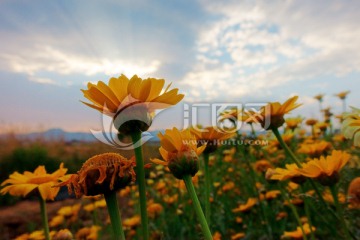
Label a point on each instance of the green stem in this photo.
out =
(252, 130)
(44, 218)
(313, 131)
(285, 147)
(339, 211)
(307, 212)
(114, 213)
(197, 207)
(207, 187)
(140, 176)
(293, 209)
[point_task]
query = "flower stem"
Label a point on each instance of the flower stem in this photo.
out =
(295, 212)
(285, 147)
(44, 218)
(207, 187)
(339, 211)
(307, 212)
(197, 207)
(114, 213)
(140, 176)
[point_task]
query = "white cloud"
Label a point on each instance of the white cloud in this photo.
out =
(46, 59)
(42, 80)
(254, 46)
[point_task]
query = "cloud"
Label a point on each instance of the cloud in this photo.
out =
(42, 80)
(255, 46)
(47, 59)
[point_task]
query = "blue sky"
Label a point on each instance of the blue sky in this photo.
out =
(213, 51)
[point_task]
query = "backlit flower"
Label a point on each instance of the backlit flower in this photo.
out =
(180, 152)
(298, 234)
(101, 174)
(319, 97)
(211, 136)
(38, 182)
(351, 126)
(342, 95)
(272, 115)
(326, 169)
(292, 123)
(311, 121)
(131, 102)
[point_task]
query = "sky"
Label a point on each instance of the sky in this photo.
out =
(241, 52)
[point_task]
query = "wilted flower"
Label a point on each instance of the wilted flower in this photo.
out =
(101, 174)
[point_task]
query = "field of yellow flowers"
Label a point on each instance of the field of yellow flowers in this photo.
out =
(299, 180)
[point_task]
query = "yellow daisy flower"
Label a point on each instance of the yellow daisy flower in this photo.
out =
(315, 149)
(326, 170)
(38, 182)
(298, 234)
(179, 151)
(211, 136)
(272, 115)
(133, 100)
(247, 206)
(292, 123)
(319, 97)
(342, 95)
(351, 126)
(291, 171)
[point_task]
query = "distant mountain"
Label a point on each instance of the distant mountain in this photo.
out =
(60, 134)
